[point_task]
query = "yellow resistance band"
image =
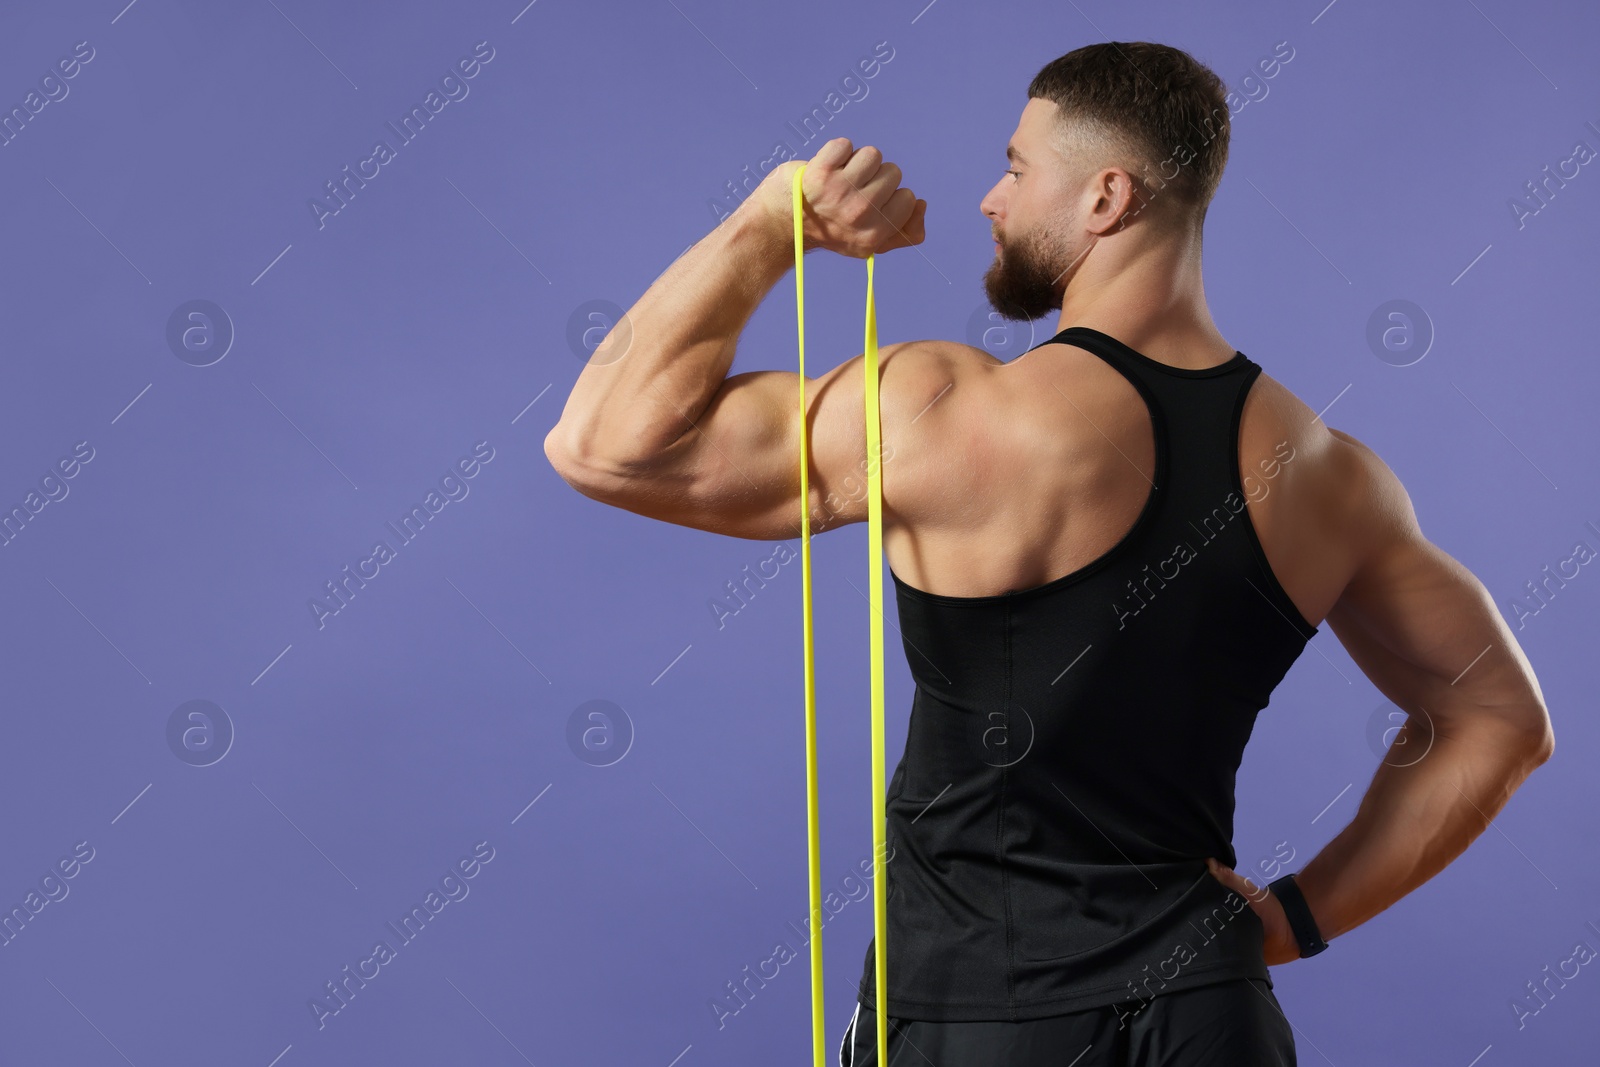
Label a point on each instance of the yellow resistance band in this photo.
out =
(819, 1040)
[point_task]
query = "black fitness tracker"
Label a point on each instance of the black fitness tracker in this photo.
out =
(1300, 920)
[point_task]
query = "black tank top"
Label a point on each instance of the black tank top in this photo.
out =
(1071, 752)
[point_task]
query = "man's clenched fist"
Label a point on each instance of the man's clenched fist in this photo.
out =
(854, 204)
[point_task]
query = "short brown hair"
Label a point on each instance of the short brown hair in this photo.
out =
(1159, 103)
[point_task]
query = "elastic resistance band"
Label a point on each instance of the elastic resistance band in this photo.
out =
(875, 653)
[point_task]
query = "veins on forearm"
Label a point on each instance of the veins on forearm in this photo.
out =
(1413, 822)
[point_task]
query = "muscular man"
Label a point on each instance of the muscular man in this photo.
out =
(1106, 553)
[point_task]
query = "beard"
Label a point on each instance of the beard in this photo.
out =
(1022, 283)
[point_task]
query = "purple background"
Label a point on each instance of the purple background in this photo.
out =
(433, 311)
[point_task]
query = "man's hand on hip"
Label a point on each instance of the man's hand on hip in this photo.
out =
(1278, 944)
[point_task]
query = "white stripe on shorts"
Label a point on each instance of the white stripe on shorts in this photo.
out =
(849, 1039)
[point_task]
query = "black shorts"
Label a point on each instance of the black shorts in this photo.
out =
(1234, 1023)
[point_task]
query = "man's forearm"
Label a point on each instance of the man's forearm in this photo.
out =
(1414, 820)
(684, 331)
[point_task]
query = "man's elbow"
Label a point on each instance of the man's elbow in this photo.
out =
(1544, 744)
(559, 451)
(1539, 739)
(570, 460)
(589, 472)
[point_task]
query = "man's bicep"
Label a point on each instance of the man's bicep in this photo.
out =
(756, 415)
(835, 448)
(736, 470)
(1420, 624)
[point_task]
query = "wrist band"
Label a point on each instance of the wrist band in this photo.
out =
(1299, 913)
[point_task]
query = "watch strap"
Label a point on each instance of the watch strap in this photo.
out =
(1299, 914)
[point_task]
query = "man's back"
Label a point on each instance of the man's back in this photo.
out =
(1004, 476)
(1070, 758)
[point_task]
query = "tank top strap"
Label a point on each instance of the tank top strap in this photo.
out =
(1195, 415)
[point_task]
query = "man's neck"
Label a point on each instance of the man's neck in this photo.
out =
(1152, 299)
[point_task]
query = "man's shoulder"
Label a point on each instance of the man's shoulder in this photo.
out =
(936, 352)
(1349, 491)
(916, 376)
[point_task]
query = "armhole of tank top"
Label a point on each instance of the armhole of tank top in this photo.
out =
(1147, 516)
(1275, 592)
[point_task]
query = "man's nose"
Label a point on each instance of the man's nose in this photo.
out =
(992, 205)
